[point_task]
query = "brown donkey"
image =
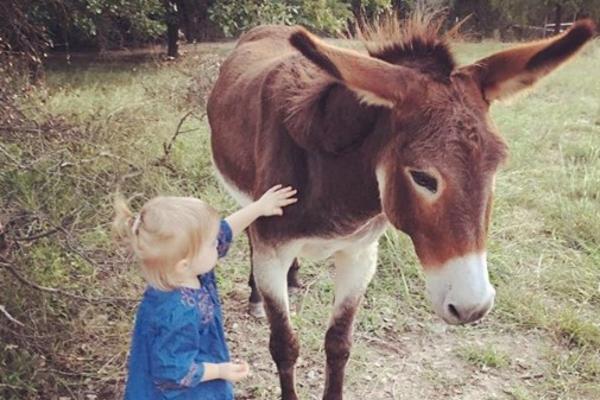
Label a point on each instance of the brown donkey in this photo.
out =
(401, 135)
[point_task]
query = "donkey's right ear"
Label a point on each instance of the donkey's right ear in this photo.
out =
(509, 71)
(375, 81)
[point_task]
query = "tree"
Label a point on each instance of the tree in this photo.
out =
(21, 38)
(172, 22)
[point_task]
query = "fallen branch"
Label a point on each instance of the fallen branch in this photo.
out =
(17, 130)
(3, 244)
(10, 317)
(37, 236)
(9, 156)
(67, 220)
(69, 247)
(6, 385)
(6, 265)
(532, 376)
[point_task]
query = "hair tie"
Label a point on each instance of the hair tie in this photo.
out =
(136, 224)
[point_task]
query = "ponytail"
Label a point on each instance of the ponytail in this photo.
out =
(123, 219)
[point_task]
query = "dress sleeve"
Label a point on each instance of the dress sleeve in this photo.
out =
(175, 362)
(224, 238)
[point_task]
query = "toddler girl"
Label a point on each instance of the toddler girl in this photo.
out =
(178, 349)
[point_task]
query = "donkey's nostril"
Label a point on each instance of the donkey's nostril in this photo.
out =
(453, 311)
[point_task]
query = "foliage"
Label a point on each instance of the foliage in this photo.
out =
(107, 23)
(372, 8)
(65, 149)
(328, 16)
(98, 24)
(22, 41)
(234, 17)
(32, 26)
(535, 11)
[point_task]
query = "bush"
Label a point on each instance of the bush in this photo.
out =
(234, 17)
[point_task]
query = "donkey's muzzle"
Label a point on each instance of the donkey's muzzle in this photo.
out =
(460, 290)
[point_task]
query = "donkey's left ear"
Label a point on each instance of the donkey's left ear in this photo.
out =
(510, 71)
(375, 81)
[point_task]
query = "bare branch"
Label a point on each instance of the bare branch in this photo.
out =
(168, 146)
(10, 317)
(6, 265)
(35, 237)
(15, 129)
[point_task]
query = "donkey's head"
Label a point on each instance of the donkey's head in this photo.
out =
(436, 165)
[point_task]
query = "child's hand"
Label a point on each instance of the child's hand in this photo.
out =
(233, 372)
(274, 199)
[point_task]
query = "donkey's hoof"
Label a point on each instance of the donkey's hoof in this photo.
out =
(257, 310)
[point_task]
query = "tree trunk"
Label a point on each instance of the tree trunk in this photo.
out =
(194, 20)
(172, 21)
(557, 18)
(172, 45)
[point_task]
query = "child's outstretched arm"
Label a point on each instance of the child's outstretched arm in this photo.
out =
(271, 203)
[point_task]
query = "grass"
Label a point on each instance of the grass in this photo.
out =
(485, 357)
(100, 127)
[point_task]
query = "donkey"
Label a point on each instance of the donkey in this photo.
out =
(400, 136)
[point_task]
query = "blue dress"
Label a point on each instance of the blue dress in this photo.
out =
(175, 333)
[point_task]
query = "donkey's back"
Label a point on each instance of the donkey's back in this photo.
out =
(237, 107)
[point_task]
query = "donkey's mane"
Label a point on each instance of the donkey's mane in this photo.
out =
(413, 42)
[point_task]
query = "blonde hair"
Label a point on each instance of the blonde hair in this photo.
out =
(166, 231)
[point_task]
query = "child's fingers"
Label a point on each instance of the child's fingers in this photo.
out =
(243, 367)
(237, 368)
(286, 195)
(241, 370)
(287, 202)
(285, 189)
(275, 188)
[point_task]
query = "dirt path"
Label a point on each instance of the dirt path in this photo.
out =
(429, 360)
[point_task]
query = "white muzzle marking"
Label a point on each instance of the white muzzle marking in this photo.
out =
(460, 290)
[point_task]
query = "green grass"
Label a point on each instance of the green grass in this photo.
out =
(484, 357)
(102, 129)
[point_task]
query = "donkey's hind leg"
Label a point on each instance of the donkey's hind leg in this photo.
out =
(353, 271)
(270, 276)
(255, 303)
(293, 281)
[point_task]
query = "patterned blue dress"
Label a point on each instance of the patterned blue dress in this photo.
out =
(175, 333)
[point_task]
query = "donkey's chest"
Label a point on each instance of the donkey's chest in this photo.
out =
(321, 248)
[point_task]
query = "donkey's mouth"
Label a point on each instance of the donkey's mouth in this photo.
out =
(459, 316)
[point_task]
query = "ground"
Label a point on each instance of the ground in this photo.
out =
(98, 126)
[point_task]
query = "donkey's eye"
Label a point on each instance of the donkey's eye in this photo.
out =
(425, 180)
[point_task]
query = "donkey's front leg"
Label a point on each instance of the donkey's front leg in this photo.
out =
(353, 272)
(270, 276)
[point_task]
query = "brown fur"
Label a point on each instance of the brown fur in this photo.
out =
(293, 281)
(338, 342)
(414, 43)
(289, 108)
(509, 71)
(284, 348)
